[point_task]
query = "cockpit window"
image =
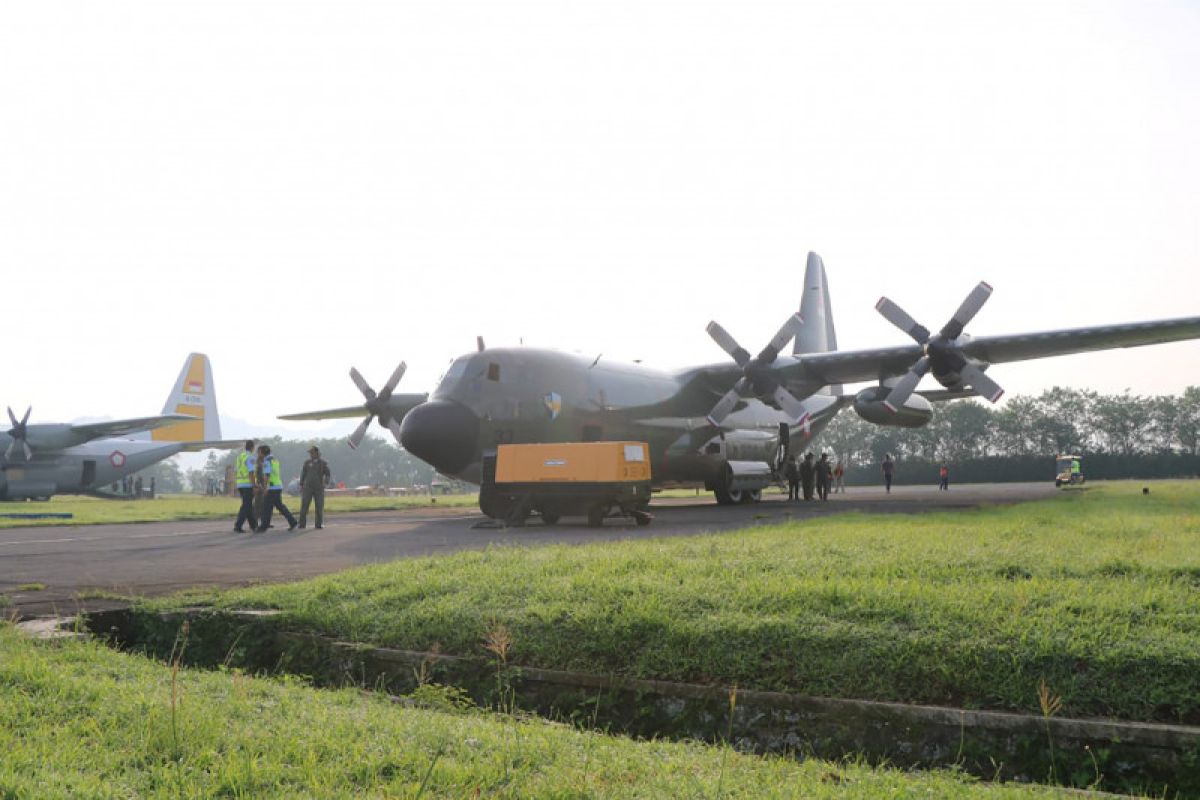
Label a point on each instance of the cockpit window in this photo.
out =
(493, 371)
(457, 369)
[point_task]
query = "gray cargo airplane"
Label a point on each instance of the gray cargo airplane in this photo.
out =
(725, 426)
(40, 460)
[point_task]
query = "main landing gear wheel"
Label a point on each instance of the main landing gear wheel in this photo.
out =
(550, 518)
(734, 497)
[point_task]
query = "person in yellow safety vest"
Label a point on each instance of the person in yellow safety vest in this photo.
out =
(274, 495)
(1075, 470)
(243, 472)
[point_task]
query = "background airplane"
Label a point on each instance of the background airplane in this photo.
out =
(724, 426)
(42, 459)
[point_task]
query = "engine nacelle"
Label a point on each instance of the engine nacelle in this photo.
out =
(915, 413)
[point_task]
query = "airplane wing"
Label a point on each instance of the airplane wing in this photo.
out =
(222, 444)
(124, 427)
(349, 412)
(398, 405)
(866, 365)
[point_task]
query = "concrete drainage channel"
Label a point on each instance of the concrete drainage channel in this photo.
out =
(1116, 756)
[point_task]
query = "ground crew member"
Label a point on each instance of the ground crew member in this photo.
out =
(260, 485)
(792, 472)
(313, 477)
(889, 472)
(273, 473)
(944, 475)
(808, 474)
(1076, 469)
(839, 478)
(243, 472)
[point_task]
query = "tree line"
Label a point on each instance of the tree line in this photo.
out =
(374, 463)
(1119, 435)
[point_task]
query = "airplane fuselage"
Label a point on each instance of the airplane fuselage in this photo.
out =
(524, 395)
(80, 469)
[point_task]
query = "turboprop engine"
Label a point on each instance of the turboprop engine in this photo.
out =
(915, 413)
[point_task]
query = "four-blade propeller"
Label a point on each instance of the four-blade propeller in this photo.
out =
(18, 434)
(941, 351)
(376, 405)
(756, 373)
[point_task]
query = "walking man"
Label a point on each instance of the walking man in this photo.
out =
(313, 477)
(273, 473)
(889, 472)
(944, 475)
(243, 472)
(839, 478)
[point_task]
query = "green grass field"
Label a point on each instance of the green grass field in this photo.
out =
(170, 507)
(82, 721)
(1097, 593)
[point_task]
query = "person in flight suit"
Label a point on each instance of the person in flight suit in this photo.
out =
(313, 477)
(792, 473)
(808, 475)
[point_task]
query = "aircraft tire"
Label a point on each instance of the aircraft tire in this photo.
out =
(751, 496)
(728, 497)
(550, 518)
(595, 517)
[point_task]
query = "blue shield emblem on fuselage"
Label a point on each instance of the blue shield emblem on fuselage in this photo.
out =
(553, 403)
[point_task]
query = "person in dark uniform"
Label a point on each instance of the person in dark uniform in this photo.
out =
(313, 477)
(792, 472)
(808, 474)
(889, 472)
(824, 476)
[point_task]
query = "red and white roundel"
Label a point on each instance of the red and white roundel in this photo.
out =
(117, 459)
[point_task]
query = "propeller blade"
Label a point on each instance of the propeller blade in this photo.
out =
(900, 318)
(12, 446)
(397, 374)
(981, 383)
(780, 340)
(906, 385)
(356, 438)
(725, 405)
(28, 411)
(795, 409)
(728, 344)
(13, 417)
(394, 427)
(362, 384)
(967, 311)
(28, 450)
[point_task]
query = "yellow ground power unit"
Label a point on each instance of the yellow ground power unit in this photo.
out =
(592, 479)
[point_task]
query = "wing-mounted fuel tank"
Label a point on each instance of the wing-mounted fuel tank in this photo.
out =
(915, 413)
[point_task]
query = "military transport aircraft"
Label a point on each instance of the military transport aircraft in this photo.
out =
(40, 460)
(725, 426)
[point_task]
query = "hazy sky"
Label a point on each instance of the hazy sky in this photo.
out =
(297, 187)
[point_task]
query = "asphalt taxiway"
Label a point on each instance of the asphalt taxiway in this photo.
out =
(78, 566)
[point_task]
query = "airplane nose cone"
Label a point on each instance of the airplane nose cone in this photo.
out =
(442, 433)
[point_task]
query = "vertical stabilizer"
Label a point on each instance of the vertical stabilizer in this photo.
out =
(193, 395)
(817, 334)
